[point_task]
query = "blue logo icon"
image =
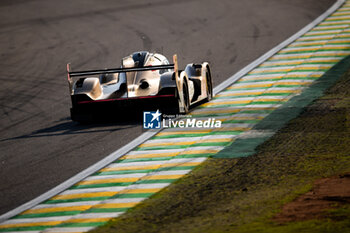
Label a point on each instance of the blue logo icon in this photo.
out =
(151, 120)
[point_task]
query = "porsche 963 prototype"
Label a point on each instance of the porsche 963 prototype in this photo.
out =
(144, 81)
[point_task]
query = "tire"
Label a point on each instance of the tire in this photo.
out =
(209, 86)
(174, 107)
(186, 98)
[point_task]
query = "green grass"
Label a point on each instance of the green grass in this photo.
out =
(243, 194)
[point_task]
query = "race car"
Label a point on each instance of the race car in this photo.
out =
(144, 81)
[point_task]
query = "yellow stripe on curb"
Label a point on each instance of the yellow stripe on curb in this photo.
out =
(239, 93)
(104, 194)
(184, 143)
(115, 205)
(312, 43)
(261, 71)
(83, 195)
(195, 152)
(104, 181)
(296, 75)
(312, 68)
(331, 23)
(130, 191)
(215, 111)
(183, 132)
(298, 50)
(230, 110)
(87, 220)
(295, 83)
(320, 33)
(152, 155)
(227, 102)
(291, 56)
(146, 167)
(57, 209)
(111, 180)
(150, 167)
(313, 61)
(163, 177)
(283, 91)
(341, 13)
(282, 63)
(265, 100)
(262, 77)
(335, 18)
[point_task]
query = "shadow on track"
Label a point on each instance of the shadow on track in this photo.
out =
(66, 126)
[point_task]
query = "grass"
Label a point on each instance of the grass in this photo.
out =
(243, 194)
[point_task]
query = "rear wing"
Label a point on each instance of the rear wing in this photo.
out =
(71, 74)
(115, 70)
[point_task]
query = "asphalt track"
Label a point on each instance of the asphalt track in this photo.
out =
(39, 146)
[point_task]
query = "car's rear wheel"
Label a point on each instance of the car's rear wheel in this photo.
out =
(175, 106)
(209, 86)
(186, 97)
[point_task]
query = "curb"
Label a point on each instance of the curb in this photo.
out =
(246, 145)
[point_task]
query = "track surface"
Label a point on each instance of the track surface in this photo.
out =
(39, 146)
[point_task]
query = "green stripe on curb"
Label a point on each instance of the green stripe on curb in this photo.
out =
(278, 118)
(233, 132)
(244, 96)
(165, 159)
(82, 224)
(185, 146)
(122, 172)
(257, 111)
(153, 170)
(242, 89)
(49, 214)
(101, 185)
(107, 210)
(37, 228)
(76, 200)
(133, 195)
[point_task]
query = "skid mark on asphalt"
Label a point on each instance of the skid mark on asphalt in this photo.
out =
(173, 153)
